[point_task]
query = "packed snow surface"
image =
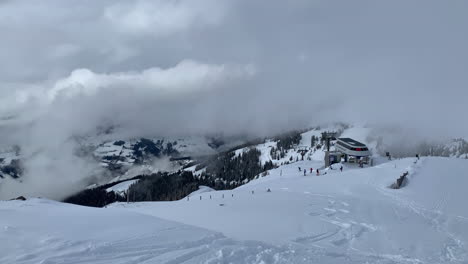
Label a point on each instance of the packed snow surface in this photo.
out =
(333, 217)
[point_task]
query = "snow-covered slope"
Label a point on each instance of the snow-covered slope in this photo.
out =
(353, 214)
(337, 217)
(121, 188)
(43, 231)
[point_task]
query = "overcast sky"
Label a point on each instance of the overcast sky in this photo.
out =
(163, 67)
(177, 67)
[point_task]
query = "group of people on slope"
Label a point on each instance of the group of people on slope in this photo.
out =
(317, 170)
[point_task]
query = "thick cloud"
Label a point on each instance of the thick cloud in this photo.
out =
(237, 67)
(395, 63)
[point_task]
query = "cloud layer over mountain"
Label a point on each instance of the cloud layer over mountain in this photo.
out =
(155, 67)
(236, 63)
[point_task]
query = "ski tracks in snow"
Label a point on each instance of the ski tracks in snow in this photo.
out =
(209, 249)
(454, 249)
(340, 227)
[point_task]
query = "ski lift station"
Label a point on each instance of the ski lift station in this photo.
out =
(352, 150)
(349, 150)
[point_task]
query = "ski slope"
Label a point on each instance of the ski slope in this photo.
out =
(336, 217)
(352, 214)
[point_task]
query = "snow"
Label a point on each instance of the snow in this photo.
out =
(201, 189)
(265, 148)
(351, 213)
(74, 234)
(336, 217)
(240, 151)
(122, 187)
(6, 156)
(307, 137)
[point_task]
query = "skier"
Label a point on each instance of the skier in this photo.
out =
(341, 168)
(305, 172)
(299, 168)
(318, 173)
(311, 170)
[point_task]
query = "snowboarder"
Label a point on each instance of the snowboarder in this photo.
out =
(341, 168)
(305, 171)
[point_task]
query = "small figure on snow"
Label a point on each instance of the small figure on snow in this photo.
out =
(341, 168)
(311, 170)
(318, 172)
(305, 171)
(299, 168)
(268, 190)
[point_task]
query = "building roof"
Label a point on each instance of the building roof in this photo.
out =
(352, 142)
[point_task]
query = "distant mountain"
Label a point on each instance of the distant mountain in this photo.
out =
(214, 161)
(126, 158)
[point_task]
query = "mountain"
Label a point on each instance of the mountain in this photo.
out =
(215, 161)
(125, 158)
(337, 217)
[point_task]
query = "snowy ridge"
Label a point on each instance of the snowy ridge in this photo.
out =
(337, 217)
